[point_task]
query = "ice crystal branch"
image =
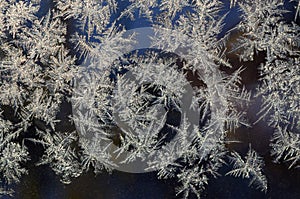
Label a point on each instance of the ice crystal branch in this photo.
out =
(92, 15)
(249, 167)
(286, 146)
(59, 154)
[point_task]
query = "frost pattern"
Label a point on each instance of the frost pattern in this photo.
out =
(279, 73)
(133, 96)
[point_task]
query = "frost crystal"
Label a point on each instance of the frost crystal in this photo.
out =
(250, 167)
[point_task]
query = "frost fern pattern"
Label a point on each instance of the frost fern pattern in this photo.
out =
(134, 107)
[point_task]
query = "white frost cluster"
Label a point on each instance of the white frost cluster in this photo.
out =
(265, 29)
